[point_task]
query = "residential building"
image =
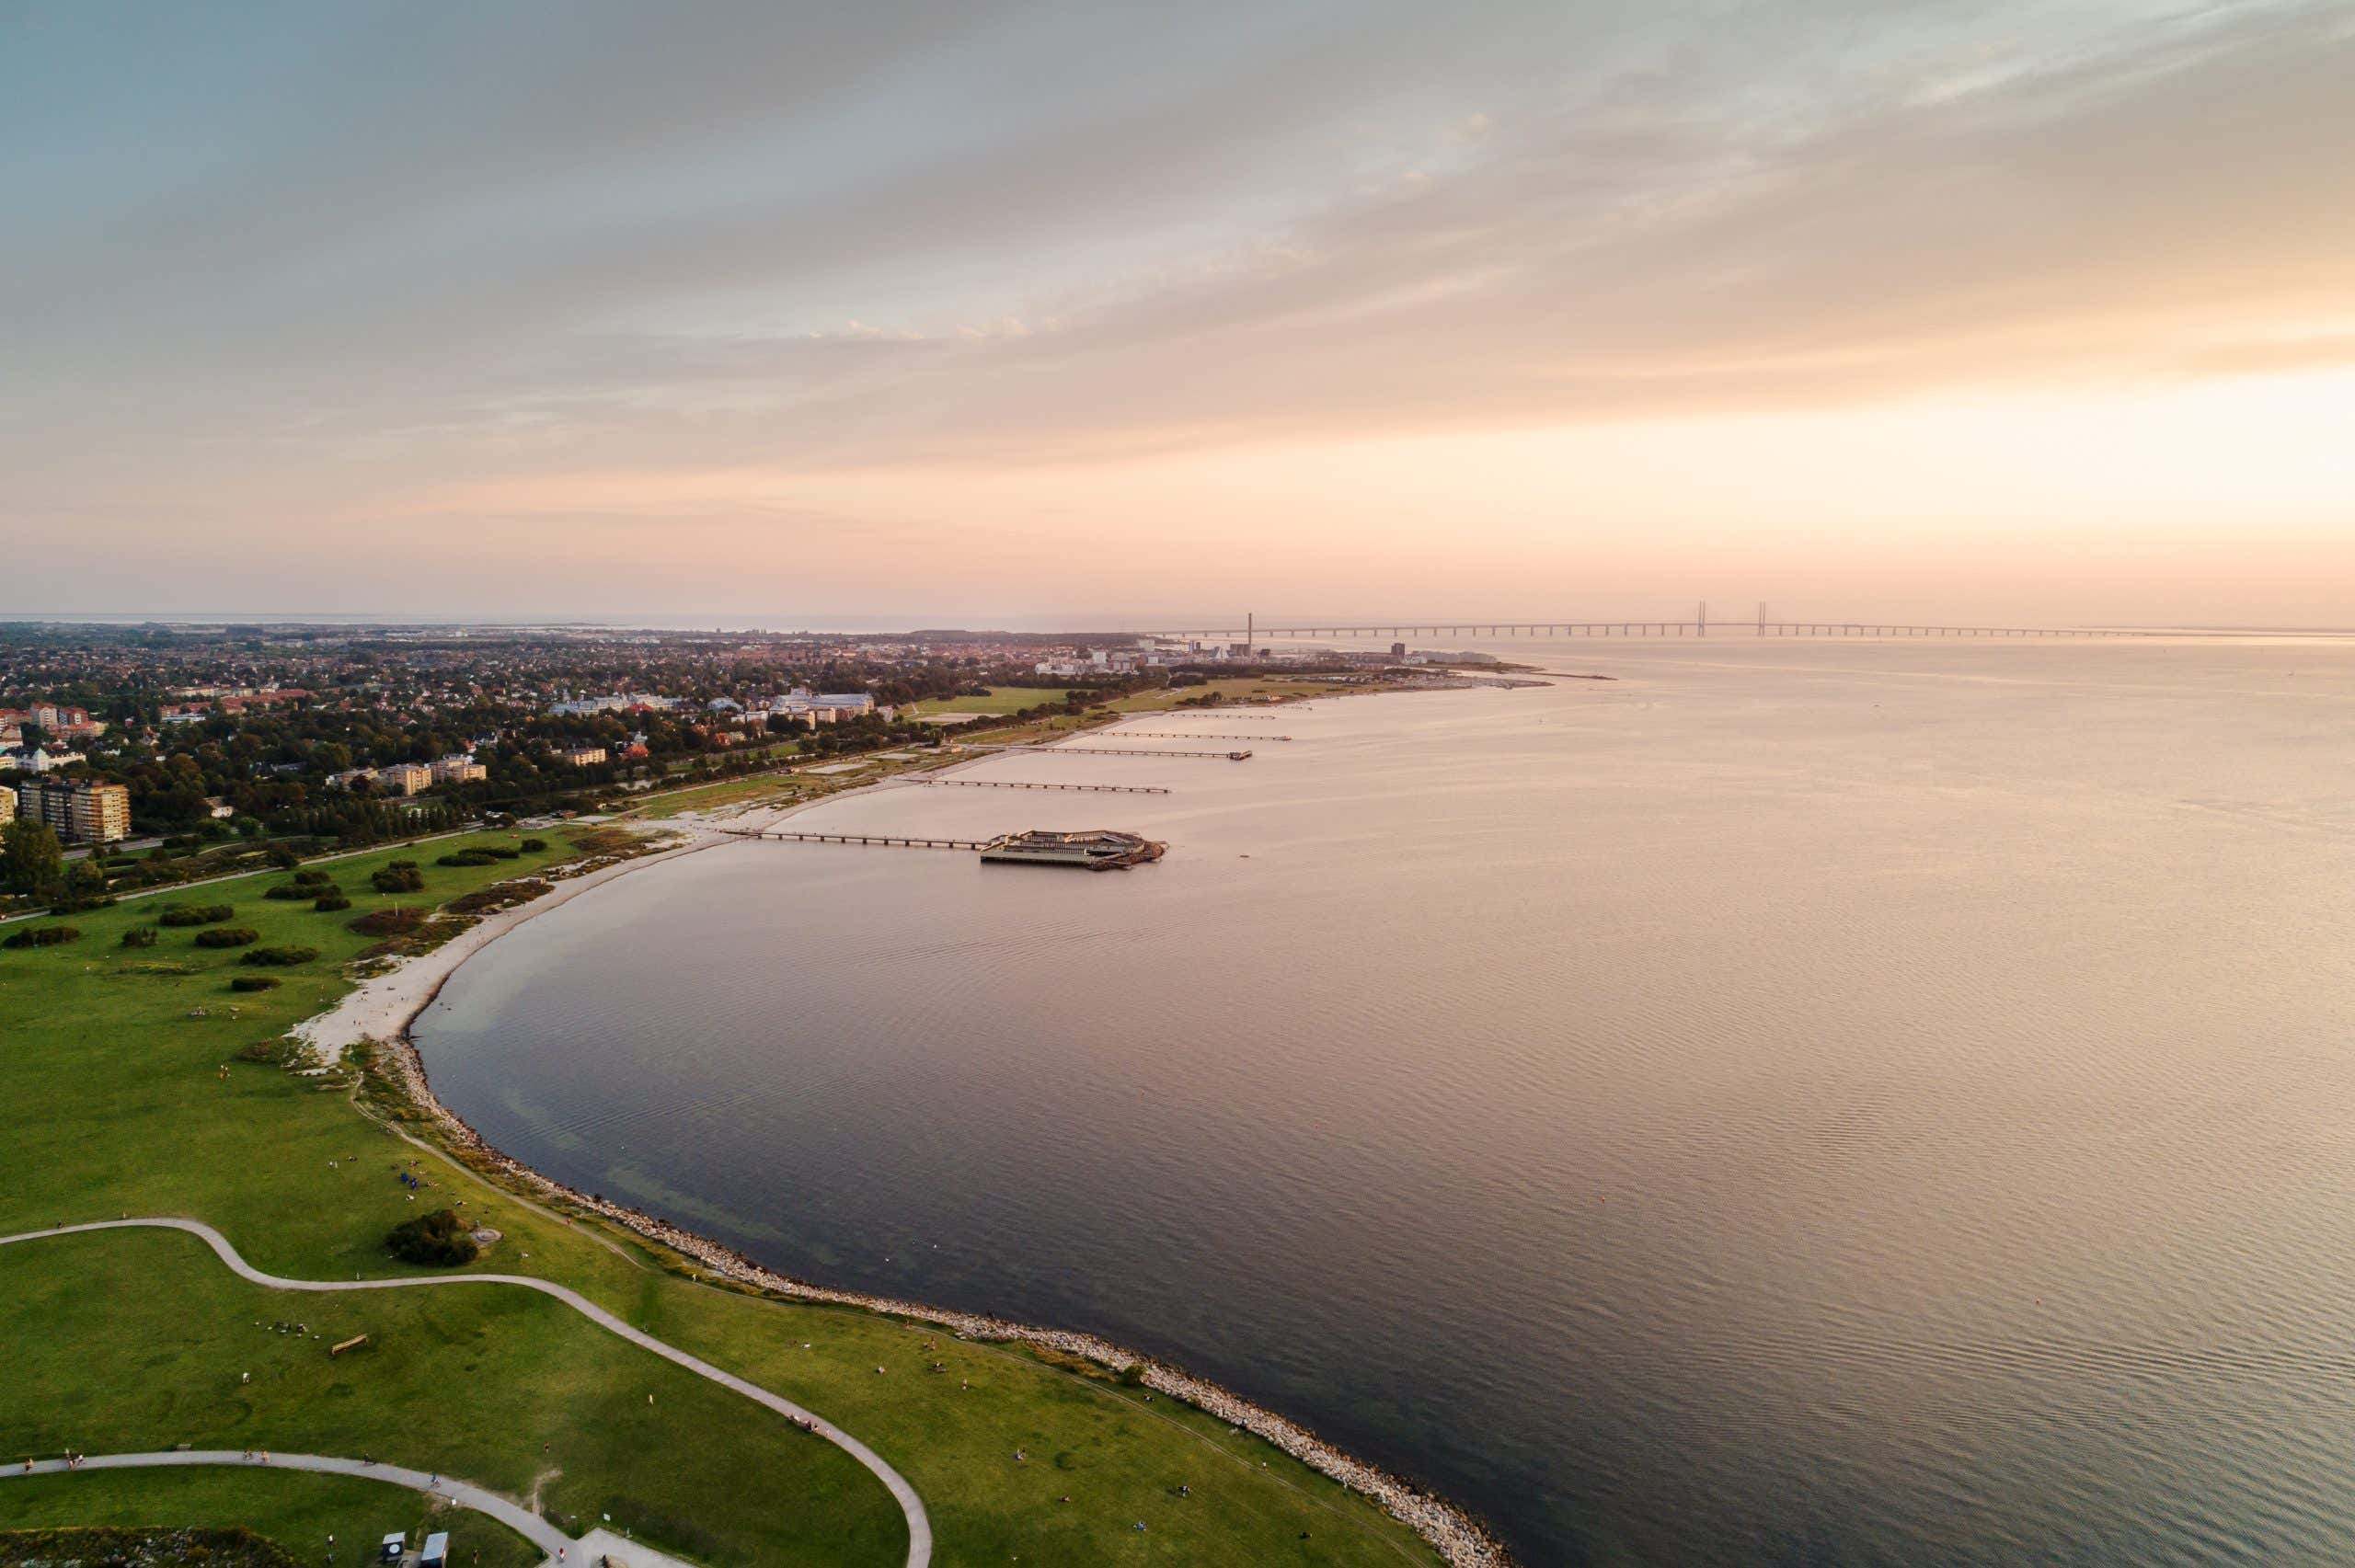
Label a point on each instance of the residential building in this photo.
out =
(403, 778)
(7, 807)
(82, 811)
(581, 756)
(458, 769)
(45, 759)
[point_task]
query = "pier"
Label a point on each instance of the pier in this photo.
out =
(1077, 788)
(1181, 735)
(1125, 751)
(878, 840)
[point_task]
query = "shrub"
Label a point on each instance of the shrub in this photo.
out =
(327, 903)
(467, 857)
(534, 846)
(290, 890)
(194, 914)
(498, 895)
(388, 923)
(227, 936)
(140, 936)
(398, 877)
(312, 877)
(502, 851)
(280, 957)
(438, 1239)
(43, 936)
(254, 982)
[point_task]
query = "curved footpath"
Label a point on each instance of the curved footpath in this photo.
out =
(911, 1506)
(520, 1519)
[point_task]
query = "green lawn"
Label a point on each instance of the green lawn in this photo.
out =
(122, 1100)
(297, 1511)
(1001, 700)
(726, 792)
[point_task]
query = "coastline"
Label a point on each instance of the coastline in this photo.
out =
(385, 1007)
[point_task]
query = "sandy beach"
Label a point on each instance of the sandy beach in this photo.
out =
(382, 1008)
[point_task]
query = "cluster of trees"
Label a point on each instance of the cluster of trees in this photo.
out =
(438, 1240)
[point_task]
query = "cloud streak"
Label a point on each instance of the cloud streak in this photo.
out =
(348, 267)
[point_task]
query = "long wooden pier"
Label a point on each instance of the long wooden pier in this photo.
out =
(1125, 751)
(1016, 784)
(1182, 734)
(878, 840)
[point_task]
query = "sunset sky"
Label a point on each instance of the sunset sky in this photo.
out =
(1080, 312)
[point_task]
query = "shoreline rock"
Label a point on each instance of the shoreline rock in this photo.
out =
(1459, 1539)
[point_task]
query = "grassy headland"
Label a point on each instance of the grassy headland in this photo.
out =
(138, 1082)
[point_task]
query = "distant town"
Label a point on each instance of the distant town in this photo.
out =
(165, 739)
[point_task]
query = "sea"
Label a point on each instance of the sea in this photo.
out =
(1775, 1101)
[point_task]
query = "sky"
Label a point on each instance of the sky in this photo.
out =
(1079, 312)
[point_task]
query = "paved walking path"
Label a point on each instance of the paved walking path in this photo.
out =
(911, 1506)
(514, 1516)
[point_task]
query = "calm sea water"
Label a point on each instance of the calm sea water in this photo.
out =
(1801, 1101)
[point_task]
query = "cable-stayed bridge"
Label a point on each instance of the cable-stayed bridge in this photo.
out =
(1251, 633)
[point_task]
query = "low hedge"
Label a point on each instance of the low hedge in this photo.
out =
(401, 876)
(534, 846)
(279, 957)
(43, 936)
(194, 914)
(327, 903)
(254, 982)
(140, 936)
(228, 936)
(467, 857)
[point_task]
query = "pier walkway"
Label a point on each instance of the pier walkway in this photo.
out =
(1018, 783)
(1183, 735)
(878, 840)
(1120, 751)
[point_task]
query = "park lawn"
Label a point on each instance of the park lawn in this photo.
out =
(296, 1510)
(137, 1340)
(119, 1104)
(726, 792)
(1238, 688)
(1001, 700)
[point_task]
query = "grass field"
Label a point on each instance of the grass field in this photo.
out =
(726, 792)
(1242, 689)
(123, 1099)
(1001, 700)
(297, 1511)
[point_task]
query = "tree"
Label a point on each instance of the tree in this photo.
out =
(33, 858)
(87, 879)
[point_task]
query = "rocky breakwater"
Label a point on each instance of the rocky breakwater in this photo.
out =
(1459, 1539)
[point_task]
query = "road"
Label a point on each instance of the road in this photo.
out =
(911, 1506)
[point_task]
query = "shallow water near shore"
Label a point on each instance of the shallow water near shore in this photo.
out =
(1814, 1102)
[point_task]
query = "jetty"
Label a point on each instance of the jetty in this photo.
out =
(1126, 751)
(880, 841)
(1182, 734)
(1018, 783)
